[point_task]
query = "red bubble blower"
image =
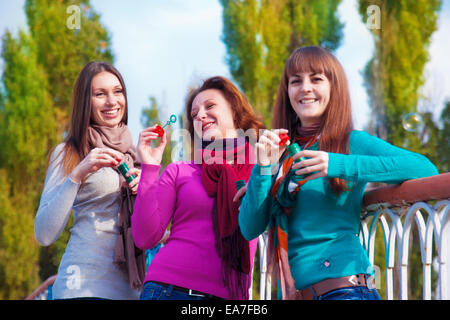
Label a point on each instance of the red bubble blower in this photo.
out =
(160, 130)
(284, 140)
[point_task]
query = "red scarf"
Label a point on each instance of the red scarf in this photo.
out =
(219, 179)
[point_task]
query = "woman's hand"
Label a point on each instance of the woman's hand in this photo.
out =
(145, 152)
(134, 184)
(97, 158)
(317, 163)
(240, 193)
(268, 150)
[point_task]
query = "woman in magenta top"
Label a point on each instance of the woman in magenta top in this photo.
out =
(206, 256)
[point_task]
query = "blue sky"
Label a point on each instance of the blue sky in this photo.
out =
(163, 47)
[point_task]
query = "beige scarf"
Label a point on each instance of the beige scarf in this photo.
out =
(119, 139)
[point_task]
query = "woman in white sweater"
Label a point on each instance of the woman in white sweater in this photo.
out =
(82, 176)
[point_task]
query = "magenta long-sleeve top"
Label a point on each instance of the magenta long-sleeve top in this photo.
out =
(189, 258)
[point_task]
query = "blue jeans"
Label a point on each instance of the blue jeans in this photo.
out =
(156, 291)
(351, 293)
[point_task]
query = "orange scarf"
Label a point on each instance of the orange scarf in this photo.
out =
(284, 192)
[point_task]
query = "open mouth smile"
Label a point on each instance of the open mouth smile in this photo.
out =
(308, 101)
(111, 112)
(206, 126)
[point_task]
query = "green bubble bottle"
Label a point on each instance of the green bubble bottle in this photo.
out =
(123, 169)
(293, 149)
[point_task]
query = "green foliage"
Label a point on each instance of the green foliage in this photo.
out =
(18, 250)
(63, 51)
(40, 69)
(260, 36)
(28, 124)
(27, 131)
(395, 74)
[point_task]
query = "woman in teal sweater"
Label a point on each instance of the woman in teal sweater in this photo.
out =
(312, 200)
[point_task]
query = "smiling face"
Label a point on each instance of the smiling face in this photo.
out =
(108, 101)
(309, 94)
(212, 116)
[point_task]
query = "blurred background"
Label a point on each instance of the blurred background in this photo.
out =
(395, 54)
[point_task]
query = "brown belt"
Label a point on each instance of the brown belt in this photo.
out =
(322, 287)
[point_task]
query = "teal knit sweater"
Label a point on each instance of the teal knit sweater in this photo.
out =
(323, 228)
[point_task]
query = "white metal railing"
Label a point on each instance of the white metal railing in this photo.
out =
(265, 281)
(432, 222)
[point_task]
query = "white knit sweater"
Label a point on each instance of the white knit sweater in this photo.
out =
(86, 268)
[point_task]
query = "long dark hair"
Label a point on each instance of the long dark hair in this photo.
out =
(336, 122)
(76, 143)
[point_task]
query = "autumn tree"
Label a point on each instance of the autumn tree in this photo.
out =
(27, 132)
(65, 46)
(395, 74)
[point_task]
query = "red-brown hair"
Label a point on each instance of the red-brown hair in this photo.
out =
(336, 122)
(243, 114)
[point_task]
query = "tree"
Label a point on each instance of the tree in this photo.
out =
(64, 49)
(260, 35)
(395, 73)
(27, 132)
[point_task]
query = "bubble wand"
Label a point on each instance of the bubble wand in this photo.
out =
(160, 130)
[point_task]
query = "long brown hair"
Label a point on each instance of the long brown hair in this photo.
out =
(243, 114)
(76, 145)
(336, 122)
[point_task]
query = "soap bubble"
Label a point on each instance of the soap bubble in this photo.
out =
(412, 122)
